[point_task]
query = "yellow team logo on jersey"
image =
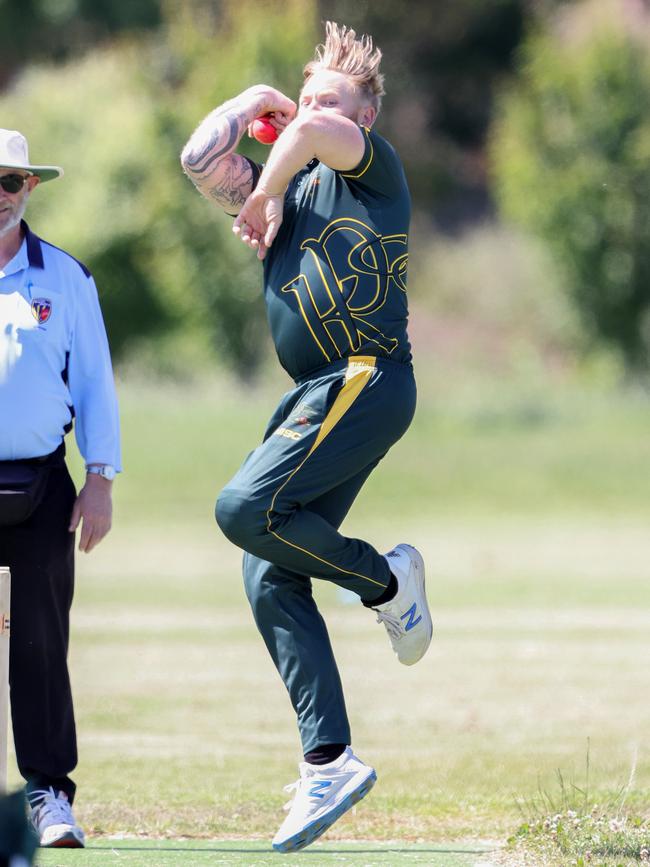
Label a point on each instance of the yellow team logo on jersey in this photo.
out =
(354, 270)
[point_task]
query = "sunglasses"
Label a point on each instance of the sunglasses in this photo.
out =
(12, 183)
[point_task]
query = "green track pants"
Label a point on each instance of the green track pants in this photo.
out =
(284, 507)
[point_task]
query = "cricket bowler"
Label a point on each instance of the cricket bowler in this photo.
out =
(328, 214)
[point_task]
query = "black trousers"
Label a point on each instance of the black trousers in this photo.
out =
(40, 554)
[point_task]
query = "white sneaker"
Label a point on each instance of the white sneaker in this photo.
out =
(406, 617)
(323, 794)
(52, 818)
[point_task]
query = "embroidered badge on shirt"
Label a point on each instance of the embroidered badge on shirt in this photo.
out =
(41, 309)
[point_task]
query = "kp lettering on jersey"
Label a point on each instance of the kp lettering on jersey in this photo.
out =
(348, 279)
(41, 309)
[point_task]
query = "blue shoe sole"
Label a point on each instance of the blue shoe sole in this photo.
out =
(315, 829)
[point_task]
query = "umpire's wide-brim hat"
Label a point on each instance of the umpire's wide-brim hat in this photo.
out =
(15, 155)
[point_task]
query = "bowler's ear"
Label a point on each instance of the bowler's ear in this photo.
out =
(32, 182)
(367, 116)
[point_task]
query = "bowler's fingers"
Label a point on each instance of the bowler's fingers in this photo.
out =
(248, 235)
(242, 227)
(243, 232)
(271, 231)
(268, 239)
(283, 120)
(288, 110)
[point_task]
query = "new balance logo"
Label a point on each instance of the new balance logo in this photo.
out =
(410, 614)
(317, 789)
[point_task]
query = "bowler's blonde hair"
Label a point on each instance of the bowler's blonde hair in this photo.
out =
(357, 58)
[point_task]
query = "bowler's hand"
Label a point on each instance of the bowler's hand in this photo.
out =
(93, 508)
(278, 120)
(258, 221)
(263, 99)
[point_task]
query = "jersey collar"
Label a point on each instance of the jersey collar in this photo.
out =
(33, 242)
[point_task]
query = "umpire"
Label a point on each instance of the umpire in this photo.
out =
(54, 366)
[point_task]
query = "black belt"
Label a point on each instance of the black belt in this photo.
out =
(53, 459)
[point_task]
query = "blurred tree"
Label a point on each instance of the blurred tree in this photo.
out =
(571, 151)
(96, 119)
(442, 61)
(43, 30)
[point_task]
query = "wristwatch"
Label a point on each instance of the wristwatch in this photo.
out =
(106, 471)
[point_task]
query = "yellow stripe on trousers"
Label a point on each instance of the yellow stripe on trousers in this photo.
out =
(357, 376)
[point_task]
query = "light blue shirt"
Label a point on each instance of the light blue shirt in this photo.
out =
(54, 358)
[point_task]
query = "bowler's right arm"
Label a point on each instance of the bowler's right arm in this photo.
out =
(209, 157)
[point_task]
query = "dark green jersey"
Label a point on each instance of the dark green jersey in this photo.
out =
(335, 276)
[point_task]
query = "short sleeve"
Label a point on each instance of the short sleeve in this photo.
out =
(256, 168)
(380, 169)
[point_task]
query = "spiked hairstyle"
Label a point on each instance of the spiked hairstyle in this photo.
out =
(358, 58)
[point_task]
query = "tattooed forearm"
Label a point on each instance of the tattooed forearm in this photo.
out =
(218, 135)
(209, 159)
(233, 184)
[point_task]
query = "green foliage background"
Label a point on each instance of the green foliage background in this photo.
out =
(571, 151)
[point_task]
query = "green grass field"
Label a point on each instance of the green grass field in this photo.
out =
(192, 853)
(534, 527)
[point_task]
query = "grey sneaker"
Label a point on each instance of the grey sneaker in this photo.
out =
(406, 617)
(53, 821)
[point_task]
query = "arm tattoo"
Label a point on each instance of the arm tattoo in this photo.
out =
(208, 157)
(235, 184)
(219, 139)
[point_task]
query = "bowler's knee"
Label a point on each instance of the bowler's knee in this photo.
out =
(240, 518)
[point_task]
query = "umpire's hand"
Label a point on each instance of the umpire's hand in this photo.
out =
(94, 509)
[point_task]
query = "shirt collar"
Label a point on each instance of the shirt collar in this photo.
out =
(33, 244)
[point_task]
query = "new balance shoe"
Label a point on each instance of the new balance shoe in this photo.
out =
(323, 794)
(53, 820)
(406, 617)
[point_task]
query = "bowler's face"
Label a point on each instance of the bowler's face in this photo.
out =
(331, 92)
(12, 205)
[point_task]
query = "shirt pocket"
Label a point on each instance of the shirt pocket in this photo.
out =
(48, 308)
(44, 328)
